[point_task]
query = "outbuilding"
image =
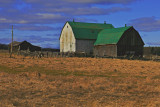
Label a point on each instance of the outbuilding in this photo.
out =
(116, 42)
(24, 46)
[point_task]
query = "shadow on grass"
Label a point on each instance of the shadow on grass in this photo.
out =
(44, 70)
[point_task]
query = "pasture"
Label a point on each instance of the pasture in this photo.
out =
(74, 82)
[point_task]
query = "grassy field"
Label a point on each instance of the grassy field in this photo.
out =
(74, 82)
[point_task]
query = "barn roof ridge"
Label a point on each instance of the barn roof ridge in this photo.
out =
(84, 30)
(111, 36)
(16, 43)
(90, 25)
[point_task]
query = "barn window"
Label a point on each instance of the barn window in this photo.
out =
(67, 26)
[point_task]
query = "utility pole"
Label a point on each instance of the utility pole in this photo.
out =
(11, 44)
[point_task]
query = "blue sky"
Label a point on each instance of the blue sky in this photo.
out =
(40, 21)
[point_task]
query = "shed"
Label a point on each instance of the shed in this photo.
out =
(18, 46)
(119, 42)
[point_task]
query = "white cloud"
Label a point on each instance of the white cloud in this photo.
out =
(51, 2)
(48, 15)
(146, 24)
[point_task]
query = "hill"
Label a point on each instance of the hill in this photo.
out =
(3, 46)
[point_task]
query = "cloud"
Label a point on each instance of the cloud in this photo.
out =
(77, 7)
(48, 15)
(54, 11)
(33, 15)
(54, 36)
(154, 43)
(146, 24)
(6, 3)
(29, 27)
(45, 42)
(5, 40)
(51, 2)
(87, 11)
(35, 40)
(54, 44)
(40, 39)
(52, 15)
(32, 18)
(4, 26)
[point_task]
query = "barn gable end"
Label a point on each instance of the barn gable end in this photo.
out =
(125, 40)
(67, 39)
(130, 43)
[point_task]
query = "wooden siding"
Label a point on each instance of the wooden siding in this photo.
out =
(25, 46)
(67, 39)
(130, 43)
(85, 46)
(105, 50)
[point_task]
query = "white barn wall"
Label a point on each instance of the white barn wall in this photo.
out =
(67, 39)
(85, 45)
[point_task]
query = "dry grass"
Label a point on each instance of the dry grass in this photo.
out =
(73, 82)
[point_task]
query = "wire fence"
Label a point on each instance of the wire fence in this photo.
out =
(48, 54)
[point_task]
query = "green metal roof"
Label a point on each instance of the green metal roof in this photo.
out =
(86, 33)
(110, 36)
(88, 30)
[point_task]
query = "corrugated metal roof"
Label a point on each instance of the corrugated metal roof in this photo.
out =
(110, 36)
(85, 33)
(88, 30)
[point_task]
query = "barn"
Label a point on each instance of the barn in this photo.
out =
(119, 42)
(100, 39)
(80, 37)
(19, 46)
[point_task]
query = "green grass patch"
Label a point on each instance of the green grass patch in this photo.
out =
(9, 70)
(46, 71)
(107, 74)
(142, 77)
(156, 77)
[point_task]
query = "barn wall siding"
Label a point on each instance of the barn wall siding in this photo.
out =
(132, 50)
(85, 46)
(25, 46)
(130, 43)
(105, 50)
(131, 37)
(67, 39)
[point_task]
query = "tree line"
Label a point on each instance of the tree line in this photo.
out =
(151, 51)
